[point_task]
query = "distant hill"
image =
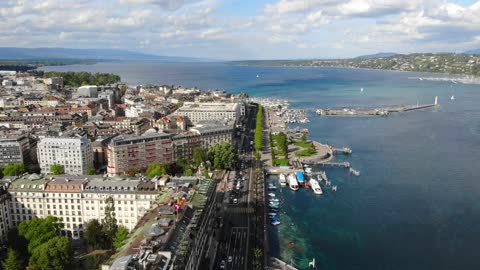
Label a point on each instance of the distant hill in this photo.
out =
(451, 63)
(477, 51)
(13, 53)
(377, 55)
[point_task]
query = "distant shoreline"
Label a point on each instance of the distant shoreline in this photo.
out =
(460, 78)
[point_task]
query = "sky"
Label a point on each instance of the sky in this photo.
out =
(244, 29)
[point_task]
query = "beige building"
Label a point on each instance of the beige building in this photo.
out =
(213, 132)
(127, 152)
(79, 199)
(196, 112)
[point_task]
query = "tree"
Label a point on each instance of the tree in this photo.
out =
(13, 261)
(39, 230)
(188, 171)
(132, 172)
(57, 169)
(18, 243)
(55, 254)
(222, 155)
(91, 171)
(33, 168)
(109, 226)
(155, 169)
(94, 235)
(120, 236)
(258, 136)
(14, 169)
(123, 89)
(199, 156)
(205, 173)
(303, 138)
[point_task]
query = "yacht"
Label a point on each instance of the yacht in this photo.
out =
(275, 223)
(283, 180)
(315, 186)
(271, 187)
(301, 178)
(292, 182)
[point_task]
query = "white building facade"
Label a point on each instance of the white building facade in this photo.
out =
(76, 200)
(75, 154)
(196, 112)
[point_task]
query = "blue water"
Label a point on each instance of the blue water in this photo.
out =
(415, 204)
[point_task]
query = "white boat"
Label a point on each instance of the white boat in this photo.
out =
(452, 98)
(274, 200)
(275, 223)
(315, 186)
(308, 170)
(258, 76)
(283, 180)
(271, 195)
(361, 89)
(292, 182)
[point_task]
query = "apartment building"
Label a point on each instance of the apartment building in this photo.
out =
(74, 153)
(212, 132)
(79, 199)
(127, 152)
(5, 219)
(15, 149)
(196, 112)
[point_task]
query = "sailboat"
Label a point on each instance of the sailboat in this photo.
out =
(361, 89)
(311, 264)
(452, 98)
(258, 76)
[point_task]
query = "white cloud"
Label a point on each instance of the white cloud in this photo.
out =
(283, 28)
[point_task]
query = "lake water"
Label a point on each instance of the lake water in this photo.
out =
(415, 205)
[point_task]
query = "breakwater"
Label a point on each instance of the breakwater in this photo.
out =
(385, 111)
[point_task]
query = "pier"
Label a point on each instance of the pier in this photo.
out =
(374, 112)
(345, 165)
(344, 150)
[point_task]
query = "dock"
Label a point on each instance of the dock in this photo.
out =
(344, 150)
(385, 111)
(345, 165)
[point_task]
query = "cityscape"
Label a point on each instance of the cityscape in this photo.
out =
(239, 135)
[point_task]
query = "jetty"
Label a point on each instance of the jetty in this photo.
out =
(385, 111)
(345, 164)
(344, 150)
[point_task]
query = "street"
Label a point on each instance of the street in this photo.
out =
(235, 248)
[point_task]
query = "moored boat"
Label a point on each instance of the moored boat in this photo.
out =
(315, 186)
(272, 195)
(271, 187)
(283, 180)
(292, 182)
(300, 178)
(275, 223)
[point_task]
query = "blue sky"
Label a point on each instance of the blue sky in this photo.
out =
(244, 29)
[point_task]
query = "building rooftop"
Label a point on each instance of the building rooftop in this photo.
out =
(211, 107)
(128, 138)
(212, 126)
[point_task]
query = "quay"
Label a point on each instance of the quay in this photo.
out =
(344, 150)
(374, 112)
(345, 165)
